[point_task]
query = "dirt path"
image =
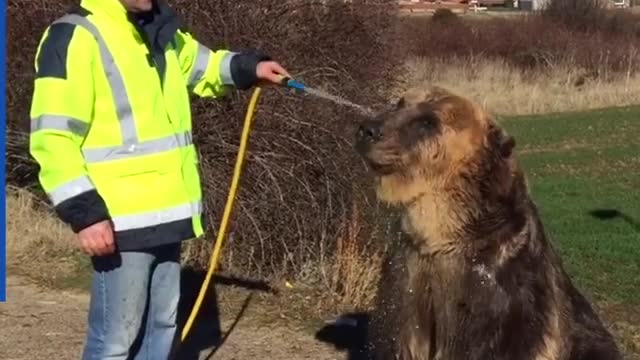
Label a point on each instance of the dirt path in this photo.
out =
(39, 323)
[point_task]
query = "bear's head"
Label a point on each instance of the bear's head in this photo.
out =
(431, 139)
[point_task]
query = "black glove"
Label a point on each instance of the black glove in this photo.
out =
(243, 68)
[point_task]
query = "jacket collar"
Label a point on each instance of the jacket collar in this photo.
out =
(158, 25)
(112, 8)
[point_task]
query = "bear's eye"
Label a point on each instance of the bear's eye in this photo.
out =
(428, 121)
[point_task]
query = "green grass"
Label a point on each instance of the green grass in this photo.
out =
(578, 163)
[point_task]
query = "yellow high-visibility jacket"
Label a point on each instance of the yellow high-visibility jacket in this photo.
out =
(111, 120)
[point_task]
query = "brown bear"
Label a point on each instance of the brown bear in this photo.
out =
(472, 275)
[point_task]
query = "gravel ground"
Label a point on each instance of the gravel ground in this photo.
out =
(40, 323)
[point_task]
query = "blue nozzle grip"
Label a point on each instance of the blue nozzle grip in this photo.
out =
(292, 84)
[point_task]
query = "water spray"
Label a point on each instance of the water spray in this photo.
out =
(301, 88)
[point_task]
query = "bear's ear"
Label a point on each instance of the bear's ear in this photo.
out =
(504, 167)
(506, 145)
(502, 143)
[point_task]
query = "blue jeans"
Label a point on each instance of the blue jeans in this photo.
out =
(134, 303)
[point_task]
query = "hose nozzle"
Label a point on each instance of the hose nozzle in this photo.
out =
(293, 84)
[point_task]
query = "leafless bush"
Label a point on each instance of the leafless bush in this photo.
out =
(583, 15)
(444, 15)
(301, 177)
(593, 16)
(535, 42)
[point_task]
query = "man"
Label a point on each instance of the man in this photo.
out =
(111, 131)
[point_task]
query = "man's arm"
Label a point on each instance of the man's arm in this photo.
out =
(210, 73)
(61, 112)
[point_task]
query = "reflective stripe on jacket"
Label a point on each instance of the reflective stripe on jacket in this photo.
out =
(111, 119)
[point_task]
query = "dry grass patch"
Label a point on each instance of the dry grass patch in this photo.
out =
(38, 244)
(624, 321)
(353, 274)
(507, 90)
(41, 246)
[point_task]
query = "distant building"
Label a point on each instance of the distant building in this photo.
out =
(539, 4)
(622, 3)
(531, 4)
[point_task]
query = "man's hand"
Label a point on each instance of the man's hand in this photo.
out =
(270, 73)
(97, 239)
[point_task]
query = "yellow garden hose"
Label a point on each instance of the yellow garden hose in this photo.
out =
(227, 210)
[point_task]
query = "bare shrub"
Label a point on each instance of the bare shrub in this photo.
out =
(444, 15)
(583, 15)
(21, 170)
(530, 42)
(592, 16)
(301, 176)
